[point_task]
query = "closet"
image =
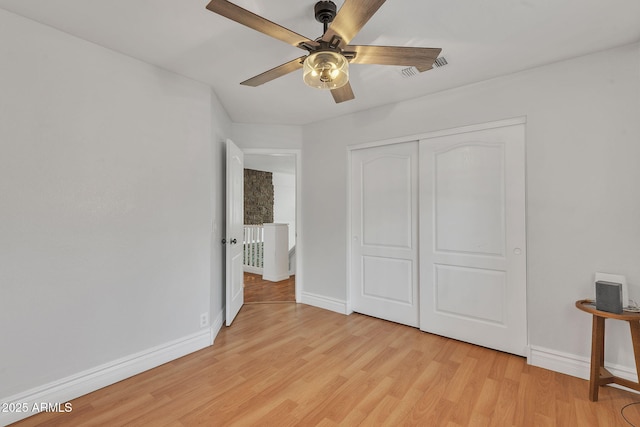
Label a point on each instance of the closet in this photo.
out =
(437, 233)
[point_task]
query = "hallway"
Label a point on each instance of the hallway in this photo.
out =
(257, 290)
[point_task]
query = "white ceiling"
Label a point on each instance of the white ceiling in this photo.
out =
(481, 39)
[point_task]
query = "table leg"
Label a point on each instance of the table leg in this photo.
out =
(634, 325)
(597, 356)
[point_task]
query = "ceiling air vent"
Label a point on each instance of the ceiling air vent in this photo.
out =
(409, 72)
(413, 71)
(440, 62)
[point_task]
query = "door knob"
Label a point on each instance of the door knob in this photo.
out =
(224, 241)
(234, 241)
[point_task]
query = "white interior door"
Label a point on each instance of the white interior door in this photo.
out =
(234, 231)
(472, 238)
(384, 263)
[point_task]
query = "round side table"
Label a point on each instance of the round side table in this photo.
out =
(599, 374)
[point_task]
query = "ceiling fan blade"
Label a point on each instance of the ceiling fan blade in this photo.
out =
(420, 57)
(424, 67)
(342, 94)
(258, 23)
(351, 17)
(274, 73)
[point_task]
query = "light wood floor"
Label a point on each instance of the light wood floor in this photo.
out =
(258, 290)
(292, 364)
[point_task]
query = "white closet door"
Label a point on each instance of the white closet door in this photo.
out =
(384, 263)
(472, 238)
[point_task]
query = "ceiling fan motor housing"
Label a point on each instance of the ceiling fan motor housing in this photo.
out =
(325, 11)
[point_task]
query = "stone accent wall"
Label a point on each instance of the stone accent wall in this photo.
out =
(258, 197)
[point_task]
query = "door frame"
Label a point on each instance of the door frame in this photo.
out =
(297, 154)
(417, 137)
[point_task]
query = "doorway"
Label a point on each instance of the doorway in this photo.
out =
(271, 199)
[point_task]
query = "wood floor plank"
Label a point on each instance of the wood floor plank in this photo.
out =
(505, 409)
(456, 387)
(296, 365)
(258, 290)
(404, 408)
(487, 398)
(381, 411)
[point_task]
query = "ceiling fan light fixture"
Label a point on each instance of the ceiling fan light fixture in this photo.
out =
(326, 70)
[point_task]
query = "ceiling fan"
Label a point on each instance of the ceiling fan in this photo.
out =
(326, 66)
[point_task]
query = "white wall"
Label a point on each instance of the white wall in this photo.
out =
(284, 203)
(221, 129)
(247, 135)
(110, 198)
(583, 212)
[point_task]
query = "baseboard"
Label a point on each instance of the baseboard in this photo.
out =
(277, 278)
(327, 303)
(576, 366)
(66, 389)
(252, 270)
(216, 326)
